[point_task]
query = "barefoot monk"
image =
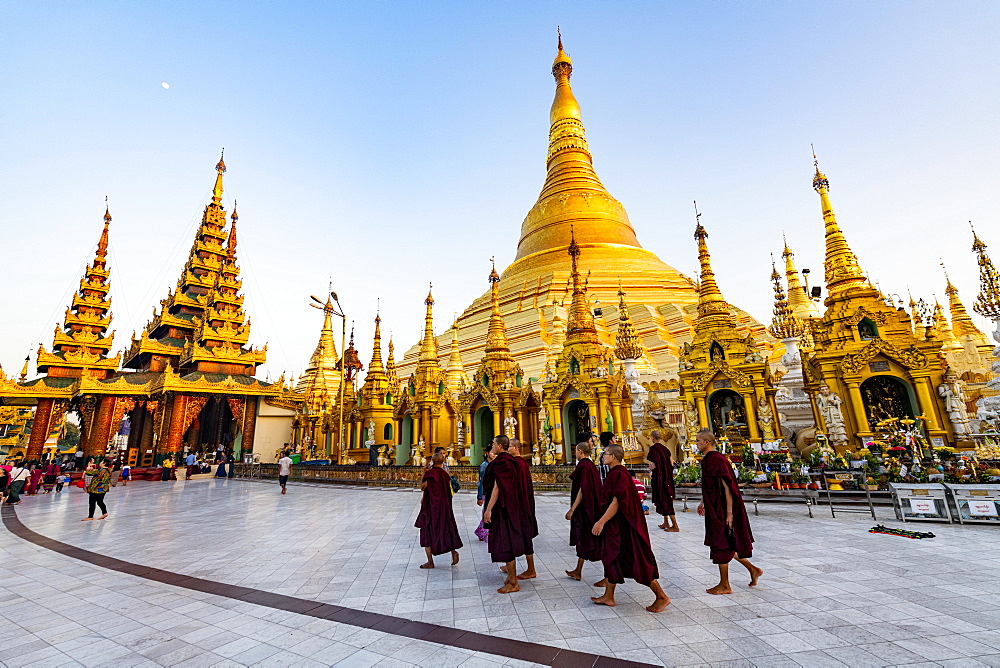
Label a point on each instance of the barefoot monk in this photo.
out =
(626, 552)
(727, 527)
(662, 478)
(508, 512)
(585, 497)
(436, 521)
(525, 468)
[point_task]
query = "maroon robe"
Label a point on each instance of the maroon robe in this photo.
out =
(716, 472)
(662, 480)
(436, 520)
(526, 473)
(626, 550)
(512, 521)
(586, 481)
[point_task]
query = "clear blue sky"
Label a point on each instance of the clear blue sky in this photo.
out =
(382, 145)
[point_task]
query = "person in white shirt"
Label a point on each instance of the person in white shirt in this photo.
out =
(284, 470)
(18, 477)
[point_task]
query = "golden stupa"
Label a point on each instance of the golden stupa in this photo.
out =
(535, 291)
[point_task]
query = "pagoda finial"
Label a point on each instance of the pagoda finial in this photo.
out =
(496, 335)
(628, 346)
(231, 241)
(102, 243)
(784, 325)
(428, 345)
(580, 319)
(842, 268)
(220, 168)
(24, 368)
(711, 304)
(802, 306)
(988, 302)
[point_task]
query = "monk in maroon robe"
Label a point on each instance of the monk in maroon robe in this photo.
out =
(626, 552)
(662, 481)
(436, 521)
(586, 509)
(515, 451)
(508, 512)
(727, 527)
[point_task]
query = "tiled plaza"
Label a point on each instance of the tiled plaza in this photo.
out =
(832, 594)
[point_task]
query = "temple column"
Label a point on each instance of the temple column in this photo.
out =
(144, 444)
(171, 442)
(749, 403)
(706, 423)
(928, 406)
(39, 429)
(249, 425)
(858, 408)
(434, 440)
(97, 443)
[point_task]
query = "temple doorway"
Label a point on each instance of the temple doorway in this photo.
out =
(727, 413)
(576, 423)
(405, 441)
(213, 431)
(887, 397)
(483, 433)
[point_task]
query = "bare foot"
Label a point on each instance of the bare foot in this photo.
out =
(603, 600)
(527, 575)
(662, 526)
(602, 583)
(103, 516)
(755, 575)
(576, 575)
(508, 587)
(673, 529)
(659, 604)
(503, 568)
(454, 557)
(719, 589)
(429, 564)
(85, 519)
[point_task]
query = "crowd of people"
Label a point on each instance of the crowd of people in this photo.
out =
(31, 478)
(607, 518)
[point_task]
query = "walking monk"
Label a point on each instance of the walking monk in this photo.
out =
(508, 512)
(436, 521)
(727, 527)
(626, 552)
(585, 511)
(515, 450)
(662, 469)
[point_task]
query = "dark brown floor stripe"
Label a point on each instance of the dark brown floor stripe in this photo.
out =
(442, 635)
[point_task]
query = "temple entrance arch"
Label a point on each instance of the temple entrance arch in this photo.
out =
(887, 397)
(405, 440)
(576, 422)
(482, 433)
(727, 412)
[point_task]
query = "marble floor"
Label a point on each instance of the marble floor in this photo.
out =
(832, 594)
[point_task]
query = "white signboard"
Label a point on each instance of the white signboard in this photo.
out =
(923, 506)
(982, 508)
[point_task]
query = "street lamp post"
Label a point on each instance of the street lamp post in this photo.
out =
(327, 307)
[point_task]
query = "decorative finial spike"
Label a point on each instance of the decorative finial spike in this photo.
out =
(559, 34)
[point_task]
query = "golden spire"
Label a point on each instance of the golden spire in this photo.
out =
(376, 366)
(580, 320)
(712, 306)
(961, 321)
(572, 191)
(988, 302)
(24, 369)
(799, 302)
(220, 167)
(784, 325)
(390, 368)
(350, 360)
(323, 370)
(428, 345)
(944, 329)
(231, 241)
(628, 346)
(456, 378)
(842, 268)
(496, 335)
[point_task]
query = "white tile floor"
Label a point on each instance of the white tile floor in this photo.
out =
(832, 594)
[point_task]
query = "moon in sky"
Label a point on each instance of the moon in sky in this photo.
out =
(165, 84)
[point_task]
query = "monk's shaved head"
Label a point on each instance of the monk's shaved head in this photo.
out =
(655, 435)
(515, 444)
(502, 442)
(584, 447)
(705, 441)
(617, 452)
(438, 457)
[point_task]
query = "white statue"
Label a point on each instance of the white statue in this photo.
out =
(954, 403)
(371, 431)
(450, 460)
(765, 419)
(510, 424)
(829, 405)
(536, 455)
(383, 456)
